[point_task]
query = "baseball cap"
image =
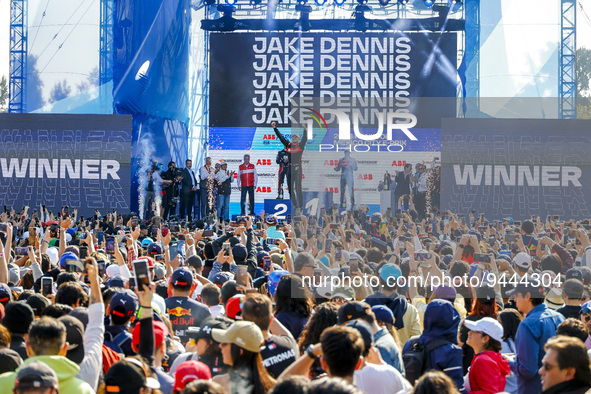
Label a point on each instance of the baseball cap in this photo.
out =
(488, 326)
(221, 277)
(234, 306)
(188, 371)
(383, 313)
(508, 219)
(147, 241)
(485, 294)
(239, 252)
(115, 281)
(554, 299)
(123, 303)
(112, 270)
(522, 260)
(128, 375)
(204, 331)
(351, 311)
(245, 334)
(574, 273)
(74, 337)
(345, 292)
(364, 330)
(181, 277)
(573, 288)
(446, 293)
(66, 257)
(585, 308)
(154, 248)
(9, 360)
(36, 375)
(389, 270)
(5, 293)
(18, 317)
(528, 285)
(160, 333)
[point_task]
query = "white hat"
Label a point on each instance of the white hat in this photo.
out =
(113, 270)
(53, 255)
(554, 299)
(522, 260)
(488, 326)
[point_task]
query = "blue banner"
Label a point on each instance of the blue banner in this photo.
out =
(80, 161)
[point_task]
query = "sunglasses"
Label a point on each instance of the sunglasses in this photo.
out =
(547, 366)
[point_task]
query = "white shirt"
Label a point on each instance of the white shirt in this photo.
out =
(381, 379)
(92, 363)
(193, 180)
(422, 184)
(204, 172)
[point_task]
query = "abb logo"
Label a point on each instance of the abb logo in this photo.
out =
(365, 177)
(332, 189)
(332, 163)
(264, 162)
(264, 189)
(398, 163)
(269, 137)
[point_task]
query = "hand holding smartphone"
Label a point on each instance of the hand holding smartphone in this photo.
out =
(142, 275)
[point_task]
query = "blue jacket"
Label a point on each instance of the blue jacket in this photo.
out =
(441, 321)
(532, 334)
(389, 351)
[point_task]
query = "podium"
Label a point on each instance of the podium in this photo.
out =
(280, 208)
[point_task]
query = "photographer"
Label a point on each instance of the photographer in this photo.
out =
(170, 185)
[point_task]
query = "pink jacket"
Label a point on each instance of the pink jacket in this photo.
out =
(487, 373)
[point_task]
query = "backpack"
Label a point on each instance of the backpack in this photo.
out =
(416, 359)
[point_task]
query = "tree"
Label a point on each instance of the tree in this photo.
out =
(3, 94)
(583, 76)
(60, 91)
(34, 93)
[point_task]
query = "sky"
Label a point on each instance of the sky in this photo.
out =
(79, 36)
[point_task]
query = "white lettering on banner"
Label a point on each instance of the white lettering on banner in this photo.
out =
(316, 66)
(536, 176)
(59, 168)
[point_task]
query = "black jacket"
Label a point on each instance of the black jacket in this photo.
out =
(402, 183)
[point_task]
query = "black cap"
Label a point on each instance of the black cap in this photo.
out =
(74, 337)
(485, 294)
(9, 360)
(18, 317)
(365, 331)
(38, 302)
(204, 331)
(352, 310)
(128, 375)
(36, 375)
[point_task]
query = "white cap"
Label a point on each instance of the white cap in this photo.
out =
(522, 260)
(53, 255)
(112, 270)
(488, 326)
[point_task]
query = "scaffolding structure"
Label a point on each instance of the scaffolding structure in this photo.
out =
(106, 43)
(567, 81)
(18, 56)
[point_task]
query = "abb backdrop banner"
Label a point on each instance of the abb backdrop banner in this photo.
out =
(82, 161)
(517, 167)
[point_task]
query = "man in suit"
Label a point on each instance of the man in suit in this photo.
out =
(403, 183)
(188, 190)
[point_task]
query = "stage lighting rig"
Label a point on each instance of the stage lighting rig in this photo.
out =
(231, 2)
(208, 2)
(403, 2)
(429, 3)
(320, 2)
(360, 19)
(226, 9)
(339, 2)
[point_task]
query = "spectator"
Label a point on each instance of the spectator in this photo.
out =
(17, 319)
(280, 348)
(509, 319)
(47, 343)
(435, 382)
(293, 304)
(441, 322)
(488, 369)
(37, 377)
(565, 367)
(189, 371)
(211, 296)
(122, 308)
(573, 328)
(538, 326)
(241, 344)
(131, 375)
(573, 293)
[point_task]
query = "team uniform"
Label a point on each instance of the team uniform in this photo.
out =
(185, 312)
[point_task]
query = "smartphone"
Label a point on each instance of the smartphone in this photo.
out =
(322, 211)
(142, 276)
(159, 257)
(517, 223)
(271, 241)
(422, 256)
(52, 230)
(482, 229)
(338, 253)
(327, 245)
(21, 251)
(207, 233)
(354, 266)
(267, 263)
(181, 246)
(226, 247)
(83, 252)
(47, 285)
(481, 257)
(134, 221)
(334, 226)
(101, 237)
(573, 233)
(110, 245)
(348, 235)
(510, 237)
(288, 219)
